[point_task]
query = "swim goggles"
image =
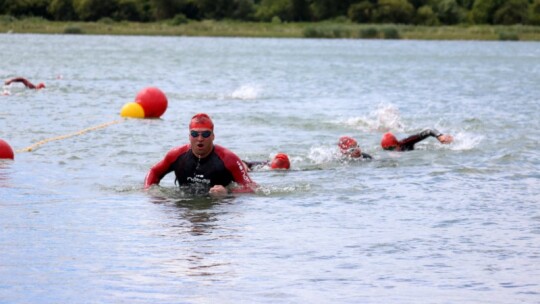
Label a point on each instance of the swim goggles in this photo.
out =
(205, 134)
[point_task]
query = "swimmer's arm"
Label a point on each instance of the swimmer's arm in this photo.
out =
(27, 83)
(156, 173)
(162, 168)
(442, 138)
(252, 165)
(238, 170)
(409, 142)
(241, 177)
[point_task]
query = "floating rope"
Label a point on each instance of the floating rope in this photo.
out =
(36, 145)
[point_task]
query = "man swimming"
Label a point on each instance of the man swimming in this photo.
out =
(348, 147)
(279, 162)
(390, 142)
(25, 81)
(203, 166)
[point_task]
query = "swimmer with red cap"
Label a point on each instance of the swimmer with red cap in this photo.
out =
(349, 148)
(390, 142)
(203, 167)
(279, 162)
(27, 83)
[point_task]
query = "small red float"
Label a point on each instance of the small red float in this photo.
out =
(5, 150)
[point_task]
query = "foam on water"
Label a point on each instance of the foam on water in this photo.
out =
(247, 92)
(322, 154)
(385, 117)
(465, 141)
(275, 190)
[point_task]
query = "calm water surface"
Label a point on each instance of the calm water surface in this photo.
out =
(457, 223)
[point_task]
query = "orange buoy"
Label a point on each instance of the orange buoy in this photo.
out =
(6, 151)
(153, 101)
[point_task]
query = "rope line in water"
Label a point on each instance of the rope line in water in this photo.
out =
(101, 126)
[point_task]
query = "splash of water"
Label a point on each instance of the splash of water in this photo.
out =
(322, 154)
(246, 92)
(384, 118)
(387, 118)
(465, 141)
(6, 91)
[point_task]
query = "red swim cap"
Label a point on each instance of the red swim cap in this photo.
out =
(346, 143)
(201, 121)
(280, 161)
(388, 141)
(40, 85)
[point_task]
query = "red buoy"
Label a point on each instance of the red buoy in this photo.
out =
(153, 101)
(5, 150)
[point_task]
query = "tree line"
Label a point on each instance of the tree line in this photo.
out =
(420, 12)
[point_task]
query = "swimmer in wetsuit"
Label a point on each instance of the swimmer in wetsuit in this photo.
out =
(25, 81)
(201, 164)
(279, 162)
(348, 147)
(390, 142)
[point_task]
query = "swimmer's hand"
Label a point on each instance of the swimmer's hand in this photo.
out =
(445, 139)
(218, 191)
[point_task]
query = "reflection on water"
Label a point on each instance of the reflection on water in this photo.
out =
(196, 209)
(198, 218)
(5, 173)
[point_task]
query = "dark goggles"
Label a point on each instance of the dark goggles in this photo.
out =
(205, 134)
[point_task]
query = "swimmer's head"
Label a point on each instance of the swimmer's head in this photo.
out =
(349, 146)
(40, 85)
(280, 161)
(201, 135)
(389, 141)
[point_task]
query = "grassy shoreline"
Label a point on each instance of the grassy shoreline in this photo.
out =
(210, 28)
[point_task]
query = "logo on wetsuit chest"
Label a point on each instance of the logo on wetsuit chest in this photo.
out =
(198, 179)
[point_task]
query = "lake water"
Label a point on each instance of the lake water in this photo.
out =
(455, 223)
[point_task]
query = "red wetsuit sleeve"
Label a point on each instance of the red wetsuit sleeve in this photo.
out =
(27, 83)
(234, 164)
(159, 170)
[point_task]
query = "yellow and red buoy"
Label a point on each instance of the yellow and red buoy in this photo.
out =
(150, 102)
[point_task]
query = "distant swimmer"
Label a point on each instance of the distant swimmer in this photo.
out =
(202, 166)
(390, 142)
(25, 81)
(349, 147)
(279, 162)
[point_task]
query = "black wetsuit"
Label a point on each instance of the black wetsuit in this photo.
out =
(408, 143)
(366, 156)
(255, 165)
(221, 167)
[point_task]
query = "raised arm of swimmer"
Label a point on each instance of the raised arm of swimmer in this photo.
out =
(390, 142)
(25, 81)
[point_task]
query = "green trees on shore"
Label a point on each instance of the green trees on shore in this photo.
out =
(421, 12)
